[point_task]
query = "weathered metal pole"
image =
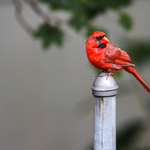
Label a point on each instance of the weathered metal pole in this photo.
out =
(104, 90)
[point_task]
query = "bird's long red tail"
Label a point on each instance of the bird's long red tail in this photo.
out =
(131, 70)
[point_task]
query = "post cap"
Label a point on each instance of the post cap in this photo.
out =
(104, 85)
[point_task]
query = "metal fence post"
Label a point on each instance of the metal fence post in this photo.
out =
(104, 90)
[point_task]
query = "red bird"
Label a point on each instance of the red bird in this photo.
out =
(105, 56)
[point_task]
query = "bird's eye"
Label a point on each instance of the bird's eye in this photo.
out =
(98, 38)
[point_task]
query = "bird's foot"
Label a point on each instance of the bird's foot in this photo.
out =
(107, 74)
(98, 74)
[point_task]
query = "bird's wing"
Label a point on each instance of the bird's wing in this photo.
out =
(115, 55)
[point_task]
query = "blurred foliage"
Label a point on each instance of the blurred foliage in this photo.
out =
(128, 136)
(82, 12)
(139, 51)
(49, 35)
(125, 21)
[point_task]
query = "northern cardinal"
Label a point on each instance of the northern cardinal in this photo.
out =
(105, 56)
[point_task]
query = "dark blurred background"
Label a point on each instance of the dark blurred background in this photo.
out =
(46, 101)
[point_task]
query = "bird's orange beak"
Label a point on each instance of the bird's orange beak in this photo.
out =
(104, 40)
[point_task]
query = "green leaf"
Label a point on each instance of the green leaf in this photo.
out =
(56, 4)
(78, 21)
(125, 21)
(49, 35)
(92, 8)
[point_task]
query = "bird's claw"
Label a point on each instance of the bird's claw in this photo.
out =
(107, 75)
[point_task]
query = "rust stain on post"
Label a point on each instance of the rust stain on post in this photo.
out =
(102, 101)
(102, 108)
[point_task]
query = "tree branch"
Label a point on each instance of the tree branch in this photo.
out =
(20, 18)
(33, 4)
(49, 19)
